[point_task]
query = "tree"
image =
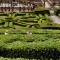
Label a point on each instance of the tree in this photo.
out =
(44, 3)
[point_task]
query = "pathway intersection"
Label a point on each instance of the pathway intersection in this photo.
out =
(55, 18)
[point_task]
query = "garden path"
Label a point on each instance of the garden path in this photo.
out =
(55, 18)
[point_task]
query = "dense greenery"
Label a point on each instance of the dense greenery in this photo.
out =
(35, 46)
(42, 11)
(40, 4)
(42, 44)
(57, 11)
(33, 30)
(27, 20)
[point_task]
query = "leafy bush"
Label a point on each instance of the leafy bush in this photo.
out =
(32, 49)
(40, 4)
(46, 16)
(59, 15)
(40, 15)
(6, 24)
(57, 10)
(3, 14)
(20, 14)
(11, 24)
(42, 11)
(2, 58)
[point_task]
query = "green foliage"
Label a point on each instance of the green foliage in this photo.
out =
(6, 24)
(45, 43)
(40, 4)
(40, 15)
(57, 10)
(11, 24)
(3, 14)
(27, 26)
(41, 44)
(59, 15)
(36, 45)
(46, 16)
(39, 20)
(42, 11)
(20, 14)
(2, 58)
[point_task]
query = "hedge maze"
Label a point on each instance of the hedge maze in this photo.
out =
(37, 19)
(42, 44)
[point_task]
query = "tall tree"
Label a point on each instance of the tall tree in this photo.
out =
(44, 3)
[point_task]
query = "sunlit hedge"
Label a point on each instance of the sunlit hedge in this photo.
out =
(42, 11)
(57, 10)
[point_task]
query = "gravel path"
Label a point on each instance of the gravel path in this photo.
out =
(55, 18)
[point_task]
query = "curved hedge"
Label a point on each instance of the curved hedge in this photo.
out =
(32, 47)
(47, 49)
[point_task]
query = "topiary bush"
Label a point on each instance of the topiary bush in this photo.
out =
(57, 10)
(42, 11)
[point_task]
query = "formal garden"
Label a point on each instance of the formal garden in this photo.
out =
(42, 44)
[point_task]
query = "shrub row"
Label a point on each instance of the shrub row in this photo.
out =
(59, 14)
(29, 38)
(2, 58)
(8, 24)
(57, 10)
(42, 11)
(48, 49)
(33, 30)
(31, 21)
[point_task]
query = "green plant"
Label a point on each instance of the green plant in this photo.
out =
(6, 24)
(40, 4)
(10, 24)
(59, 15)
(42, 11)
(57, 10)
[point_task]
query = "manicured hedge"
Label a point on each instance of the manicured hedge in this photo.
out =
(6, 24)
(34, 46)
(20, 14)
(57, 10)
(2, 58)
(59, 14)
(42, 11)
(33, 30)
(30, 19)
(47, 50)
(11, 24)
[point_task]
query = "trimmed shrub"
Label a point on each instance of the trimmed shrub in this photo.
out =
(10, 24)
(3, 14)
(46, 16)
(40, 15)
(42, 11)
(27, 26)
(57, 10)
(59, 15)
(46, 50)
(20, 14)
(6, 24)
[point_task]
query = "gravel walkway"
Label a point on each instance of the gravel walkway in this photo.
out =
(55, 18)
